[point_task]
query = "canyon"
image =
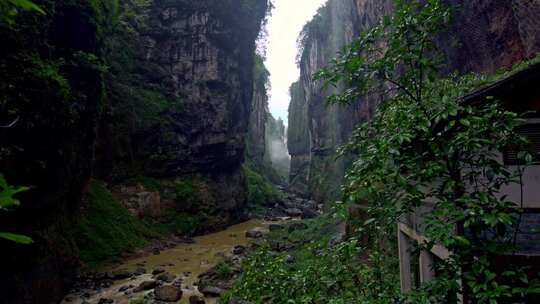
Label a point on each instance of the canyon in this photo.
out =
(135, 120)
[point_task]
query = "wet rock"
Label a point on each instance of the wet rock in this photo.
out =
(239, 249)
(158, 271)
(166, 277)
(275, 227)
(168, 293)
(211, 291)
(124, 288)
(254, 233)
(196, 300)
(139, 271)
(121, 275)
(146, 285)
(309, 213)
(294, 212)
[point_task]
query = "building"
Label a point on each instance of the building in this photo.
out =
(519, 93)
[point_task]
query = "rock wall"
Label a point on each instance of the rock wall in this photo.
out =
(194, 68)
(116, 89)
(256, 142)
(484, 36)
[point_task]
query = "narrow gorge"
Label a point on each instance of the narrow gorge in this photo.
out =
(142, 158)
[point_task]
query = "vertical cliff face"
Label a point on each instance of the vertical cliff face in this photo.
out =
(183, 106)
(256, 142)
(115, 89)
(315, 128)
(484, 36)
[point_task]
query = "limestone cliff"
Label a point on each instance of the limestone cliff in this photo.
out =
(117, 89)
(484, 36)
(256, 142)
(183, 107)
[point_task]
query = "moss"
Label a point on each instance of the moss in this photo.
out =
(107, 229)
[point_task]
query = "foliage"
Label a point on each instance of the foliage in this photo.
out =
(9, 9)
(426, 145)
(260, 192)
(107, 229)
(7, 201)
(319, 270)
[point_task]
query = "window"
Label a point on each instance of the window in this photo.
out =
(532, 133)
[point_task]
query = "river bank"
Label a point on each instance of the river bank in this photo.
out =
(179, 266)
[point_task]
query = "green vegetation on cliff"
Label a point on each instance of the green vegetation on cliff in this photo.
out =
(107, 229)
(261, 193)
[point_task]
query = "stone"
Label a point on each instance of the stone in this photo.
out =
(239, 249)
(166, 277)
(146, 285)
(121, 275)
(275, 227)
(105, 301)
(139, 271)
(254, 233)
(196, 300)
(158, 271)
(168, 293)
(212, 291)
(294, 212)
(124, 288)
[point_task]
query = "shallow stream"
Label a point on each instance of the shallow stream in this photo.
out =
(186, 261)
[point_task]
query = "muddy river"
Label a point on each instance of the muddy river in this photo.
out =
(186, 261)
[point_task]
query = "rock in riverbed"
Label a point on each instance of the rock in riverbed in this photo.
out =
(254, 233)
(211, 291)
(196, 300)
(168, 293)
(146, 285)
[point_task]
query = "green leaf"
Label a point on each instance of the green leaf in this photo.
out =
(27, 5)
(17, 238)
(7, 192)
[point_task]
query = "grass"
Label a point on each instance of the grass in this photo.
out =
(107, 229)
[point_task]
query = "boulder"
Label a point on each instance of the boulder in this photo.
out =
(239, 249)
(211, 291)
(166, 277)
(275, 227)
(168, 293)
(196, 300)
(294, 212)
(254, 233)
(121, 275)
(146, 285)
(158, 271)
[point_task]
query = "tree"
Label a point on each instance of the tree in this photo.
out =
(425, 144)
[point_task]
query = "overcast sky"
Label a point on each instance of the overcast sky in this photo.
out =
(284, 26)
